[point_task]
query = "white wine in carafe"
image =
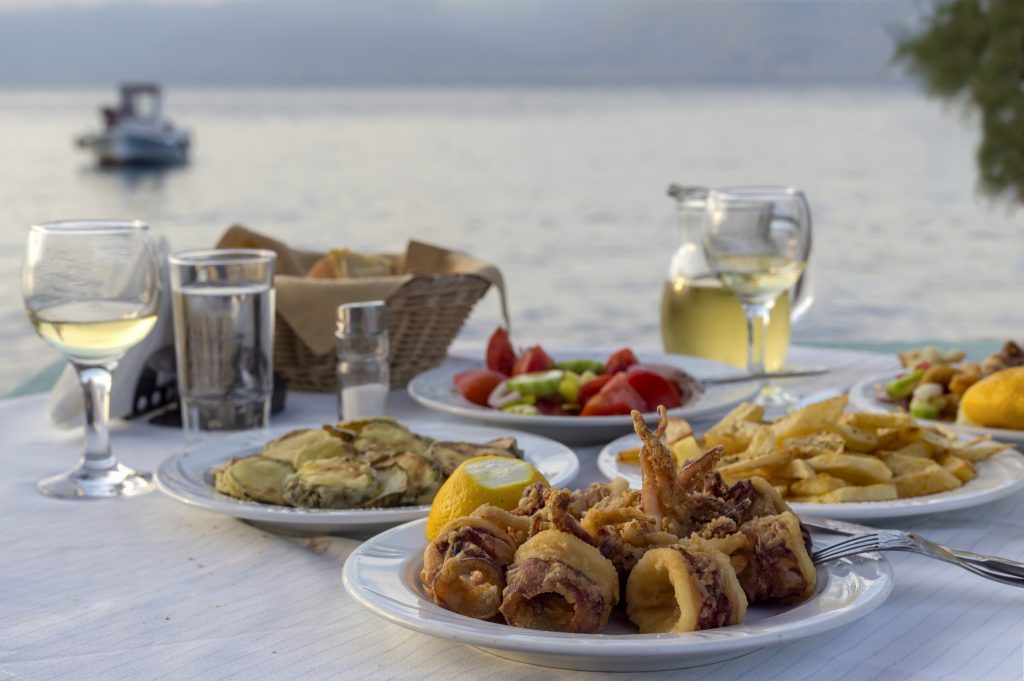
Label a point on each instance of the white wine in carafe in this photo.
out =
(703, 318)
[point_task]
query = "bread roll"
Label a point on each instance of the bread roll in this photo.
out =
(341, 263)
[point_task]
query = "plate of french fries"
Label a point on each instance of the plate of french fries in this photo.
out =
(851, 465)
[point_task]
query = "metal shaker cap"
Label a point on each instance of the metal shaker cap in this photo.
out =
(361, 319)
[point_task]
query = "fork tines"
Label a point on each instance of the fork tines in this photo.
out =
(861, 543)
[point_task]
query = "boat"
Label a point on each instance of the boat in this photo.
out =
(135, 131)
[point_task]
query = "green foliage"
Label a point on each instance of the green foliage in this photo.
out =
(972, 51)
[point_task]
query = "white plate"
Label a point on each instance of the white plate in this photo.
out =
(382, 575)
(998, 477)
(862, 396)
(187, 478)
(435, 389)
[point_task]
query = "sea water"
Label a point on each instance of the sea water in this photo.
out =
(563, 189)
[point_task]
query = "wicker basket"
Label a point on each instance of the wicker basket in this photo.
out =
(423, 318)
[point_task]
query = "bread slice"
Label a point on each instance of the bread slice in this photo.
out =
(342, 263)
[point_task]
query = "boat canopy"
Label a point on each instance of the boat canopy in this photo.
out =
(140, 100)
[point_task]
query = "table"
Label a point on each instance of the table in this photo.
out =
(147, 588)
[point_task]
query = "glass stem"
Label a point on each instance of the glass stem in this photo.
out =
(96, 381)
(757, 315)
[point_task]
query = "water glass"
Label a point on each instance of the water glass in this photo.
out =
(223, 302)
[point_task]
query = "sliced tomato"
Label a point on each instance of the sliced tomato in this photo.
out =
(501, 356)
(476, 384)
(616, 397)
(620, 360)
(534, 359)
(550, 406)
(653, 387)
(591, 388)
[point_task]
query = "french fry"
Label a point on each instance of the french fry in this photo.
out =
(734, 437)
(873, 422)
(981, 452)
(856, 439)
(797, 469)
(676, 430)
(919, 449)
(806, 446)
(857, 468)
(683, 450)
(960, 467)
(629, 455)
(686, 449)
(901, 463)
(899, 436)
(930, 480)
(810, 419)
(879, 492)
(819, 484)
(763, 442)
(775, 458)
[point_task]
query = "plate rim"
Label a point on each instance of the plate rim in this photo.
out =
(164, 476)
(864, 510)
(478, 413)
(862, 396)
(738, 638)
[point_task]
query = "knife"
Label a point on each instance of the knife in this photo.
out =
(845, 528)
(791, 373)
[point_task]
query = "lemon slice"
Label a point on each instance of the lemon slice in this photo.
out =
(495, 480)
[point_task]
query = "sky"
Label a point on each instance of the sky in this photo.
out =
(309, 42)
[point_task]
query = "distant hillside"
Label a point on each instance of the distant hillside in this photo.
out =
(270, 42)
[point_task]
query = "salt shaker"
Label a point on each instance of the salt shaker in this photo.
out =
(362, 352)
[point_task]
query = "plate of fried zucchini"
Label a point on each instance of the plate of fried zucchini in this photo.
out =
(360, 476)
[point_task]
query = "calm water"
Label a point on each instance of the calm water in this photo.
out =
(563, 189)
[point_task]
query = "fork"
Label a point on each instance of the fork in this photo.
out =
(895, 540)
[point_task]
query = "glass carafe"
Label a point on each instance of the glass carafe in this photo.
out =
(698, 316)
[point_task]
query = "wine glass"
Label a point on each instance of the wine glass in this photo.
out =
(757, 241)
(91, 290)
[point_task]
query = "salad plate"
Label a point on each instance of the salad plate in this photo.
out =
(864, 396)
(435, 389)
(187, 477)
(997, 477)
(382, 575)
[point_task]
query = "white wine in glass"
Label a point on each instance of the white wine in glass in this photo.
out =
(757, 242)
(91, 291)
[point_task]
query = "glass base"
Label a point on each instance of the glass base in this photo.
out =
(774, 397)
(82, 482)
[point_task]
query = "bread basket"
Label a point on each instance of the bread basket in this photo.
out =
(427, 304)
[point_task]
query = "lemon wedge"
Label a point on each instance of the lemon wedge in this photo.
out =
(495, 480)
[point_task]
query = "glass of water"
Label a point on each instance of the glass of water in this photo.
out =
(223, 301)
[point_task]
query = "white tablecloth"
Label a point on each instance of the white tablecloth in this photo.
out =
(147, 588)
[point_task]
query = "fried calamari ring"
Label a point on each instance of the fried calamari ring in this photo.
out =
(559, 582)
(680, 588)
(464, 566)
(778, 566)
